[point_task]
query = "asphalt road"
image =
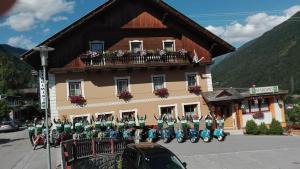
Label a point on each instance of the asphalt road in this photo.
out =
(16, 152)
(236, 152)
(241, 152)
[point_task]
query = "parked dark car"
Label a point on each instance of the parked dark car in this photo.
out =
(7, 124)
(150, 156)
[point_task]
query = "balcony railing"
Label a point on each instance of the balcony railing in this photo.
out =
(129, 59)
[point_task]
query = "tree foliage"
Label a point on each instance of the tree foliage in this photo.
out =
(14, 74)
(4, 110)
(272, 59)
(251, 127)
(293, 115)
(276, 128)
(263, 129)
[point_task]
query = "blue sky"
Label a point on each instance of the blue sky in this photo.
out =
(237, 21)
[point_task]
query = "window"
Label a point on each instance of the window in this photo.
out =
(169, 45)
(168, 110)
(80, 119)
(136, 46)
(122, 84)
(158, 82)
(97, 46)
(75, 88)
(128, 115)
(191, 79)
(255, 105)
(191, 110)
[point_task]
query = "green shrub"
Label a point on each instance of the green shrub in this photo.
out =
(263, 129)
(251, 127)
(276, 128)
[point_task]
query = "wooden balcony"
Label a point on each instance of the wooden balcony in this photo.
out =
(114, 60)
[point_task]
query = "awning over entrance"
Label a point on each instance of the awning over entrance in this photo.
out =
(222, 95)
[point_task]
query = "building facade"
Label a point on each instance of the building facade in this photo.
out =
(130, 58)
(241, 105)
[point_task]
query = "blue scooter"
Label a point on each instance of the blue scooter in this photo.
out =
(206, 134)
(166, 135)
(193, 135)
(151, 135)
(127, 134)
(218, 132)
(179, 135)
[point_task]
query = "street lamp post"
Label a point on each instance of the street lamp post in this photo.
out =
(44, 62)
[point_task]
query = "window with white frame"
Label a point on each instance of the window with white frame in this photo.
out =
(191, 110)
(97, 46)
(136, 46)
(191, 79)
(168, 111)
(169, 45)
(128, 115)
(158, 82)
(122, 84)
(75, 88)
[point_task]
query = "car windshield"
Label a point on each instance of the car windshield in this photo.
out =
(164, 161)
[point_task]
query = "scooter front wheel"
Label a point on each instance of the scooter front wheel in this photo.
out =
(180, 140)
(166, 140)
(206, 139)
(220, 138)
(150, 140)
(193, 139)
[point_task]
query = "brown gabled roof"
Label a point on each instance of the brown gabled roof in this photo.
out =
(223, 46)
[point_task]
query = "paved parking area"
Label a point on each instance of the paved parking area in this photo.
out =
(241, 152)
(16, 152)
(236, 152)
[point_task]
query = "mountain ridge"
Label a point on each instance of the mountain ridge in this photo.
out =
(271, 59)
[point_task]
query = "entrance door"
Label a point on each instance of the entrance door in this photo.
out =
(226, 111)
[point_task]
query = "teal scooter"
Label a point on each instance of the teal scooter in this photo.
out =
(219, 132)
(206, 133)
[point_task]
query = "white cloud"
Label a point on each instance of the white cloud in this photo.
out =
(254, 26)
(21, 41)
(59, 18)
(27, 13)
(46, 30)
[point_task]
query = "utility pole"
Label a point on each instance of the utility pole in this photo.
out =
(44, 101)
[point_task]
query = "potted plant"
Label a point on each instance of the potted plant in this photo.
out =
(77, 99)
(195, 89)
(162, 92)
(126, 95)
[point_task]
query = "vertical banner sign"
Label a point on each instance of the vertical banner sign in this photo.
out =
(42, 90)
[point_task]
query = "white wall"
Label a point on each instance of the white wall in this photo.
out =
(267, 118)
(52, 97)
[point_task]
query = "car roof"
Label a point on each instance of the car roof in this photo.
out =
(149, 149)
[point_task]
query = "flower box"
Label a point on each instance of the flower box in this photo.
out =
(258, 115)
(126, 95)
(77, 99)
(195, 89)
(163, 92)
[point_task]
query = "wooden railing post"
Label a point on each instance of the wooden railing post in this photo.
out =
(94, 147)
(112, 146)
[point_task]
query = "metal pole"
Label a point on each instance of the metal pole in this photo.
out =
(46, 117)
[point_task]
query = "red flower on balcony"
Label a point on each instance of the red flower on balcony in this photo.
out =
(258, 115)
(195, 89)
(77, 99)
(163, 92)
(126, 95)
